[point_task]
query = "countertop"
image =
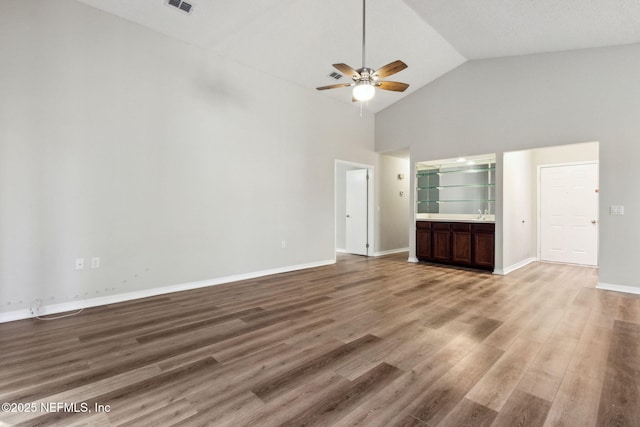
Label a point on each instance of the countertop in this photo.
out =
(473, 221)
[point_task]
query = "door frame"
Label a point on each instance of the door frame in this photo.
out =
(370, 203)
(539, 211)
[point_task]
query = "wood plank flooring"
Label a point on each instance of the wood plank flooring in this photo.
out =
(364, 342)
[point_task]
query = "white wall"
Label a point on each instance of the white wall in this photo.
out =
(534, 101)
(572, 153)
(170, 164)
(393, 209)
(518, 208)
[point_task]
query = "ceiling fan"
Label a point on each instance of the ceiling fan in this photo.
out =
(365, 80)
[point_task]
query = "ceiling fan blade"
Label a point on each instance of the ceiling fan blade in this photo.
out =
(389, 69)
(347, 70)
(334, 86)
(394, 86)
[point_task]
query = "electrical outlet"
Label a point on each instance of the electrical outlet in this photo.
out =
(79, 263)
(616, 210)
(95, 262)
(284, 244)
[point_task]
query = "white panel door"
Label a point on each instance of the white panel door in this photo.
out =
(356, 228)
(569, 214)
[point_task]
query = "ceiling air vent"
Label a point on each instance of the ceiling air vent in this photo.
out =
(182, 5)
(335, 75)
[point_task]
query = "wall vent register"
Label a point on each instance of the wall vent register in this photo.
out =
(182, 5)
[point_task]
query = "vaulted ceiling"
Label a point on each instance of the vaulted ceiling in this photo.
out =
(298, 40)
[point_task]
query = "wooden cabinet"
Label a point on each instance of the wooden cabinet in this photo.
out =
(483, 246)
(457, 243)
(423, 240)
(441, 242)
(461, 243)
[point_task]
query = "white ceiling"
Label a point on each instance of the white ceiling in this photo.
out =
(298, 40)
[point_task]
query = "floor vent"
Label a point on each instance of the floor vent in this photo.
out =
(182, 5)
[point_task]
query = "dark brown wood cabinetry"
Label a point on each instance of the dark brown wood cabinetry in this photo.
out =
(457, 243)
(423, 239)
(484, 246)
(441, 242)
(461, 243)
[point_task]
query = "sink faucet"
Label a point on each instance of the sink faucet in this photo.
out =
(479, 214)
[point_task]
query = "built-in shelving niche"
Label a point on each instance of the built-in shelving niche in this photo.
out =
(456, 187)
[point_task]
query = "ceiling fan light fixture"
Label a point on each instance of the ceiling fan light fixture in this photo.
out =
(365, 79)
(363, 91)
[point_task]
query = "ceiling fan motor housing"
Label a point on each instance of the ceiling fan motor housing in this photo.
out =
(366, 75)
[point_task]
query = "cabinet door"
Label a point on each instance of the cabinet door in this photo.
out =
(461, 247)
(441, 248)
(483, 249)
(423, 243)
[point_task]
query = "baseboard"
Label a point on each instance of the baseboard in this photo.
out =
(10, 316)
(413, 259)
(513, 267)
(341, 251)
(391, 251)
(113, 299)
(618, 288)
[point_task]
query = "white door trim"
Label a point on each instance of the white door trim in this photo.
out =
(370, 202)
(538, 203)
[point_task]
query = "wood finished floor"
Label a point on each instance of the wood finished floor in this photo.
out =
(367, 342)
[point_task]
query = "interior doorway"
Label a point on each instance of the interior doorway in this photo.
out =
(353, 208)
(535, 223)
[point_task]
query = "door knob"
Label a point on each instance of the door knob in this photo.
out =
(348, 216)
(593, 221)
